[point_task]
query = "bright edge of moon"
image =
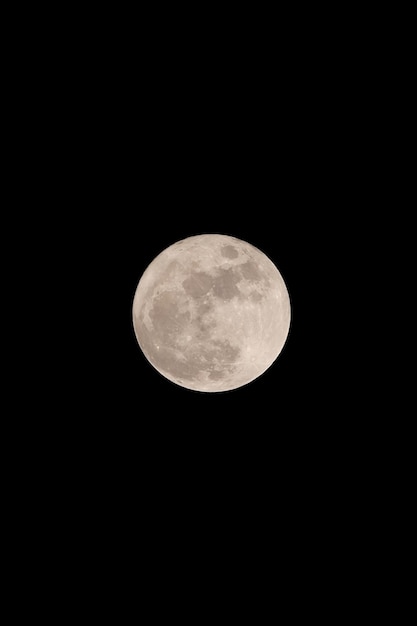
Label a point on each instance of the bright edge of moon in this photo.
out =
(211, 313)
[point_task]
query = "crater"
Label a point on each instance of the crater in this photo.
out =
(225, 284)
(229, 252)
(198, 284)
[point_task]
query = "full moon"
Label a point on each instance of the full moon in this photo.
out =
(211, 313)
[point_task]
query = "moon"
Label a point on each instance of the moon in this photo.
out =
(211, 313)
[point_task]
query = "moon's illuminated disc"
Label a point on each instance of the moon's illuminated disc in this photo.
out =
(211, 313)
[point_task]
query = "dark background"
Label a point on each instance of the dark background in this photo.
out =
(140, 140)
(262, 179)
(162, 146)
(144, 138)
(199, 145)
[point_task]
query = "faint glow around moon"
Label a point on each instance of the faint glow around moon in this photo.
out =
(211, 313)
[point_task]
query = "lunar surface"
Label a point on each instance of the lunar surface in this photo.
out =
(211, 313)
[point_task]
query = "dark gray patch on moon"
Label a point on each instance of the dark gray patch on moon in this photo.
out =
(204, 326)
(225, 284)
(226, 353)
(203, 320)
(198, 284)
(229, 252)
(255, 296)
(216, 375)
(251, 271)
(159, 347)
(169, 271)
(204, 307)
(166, 316)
